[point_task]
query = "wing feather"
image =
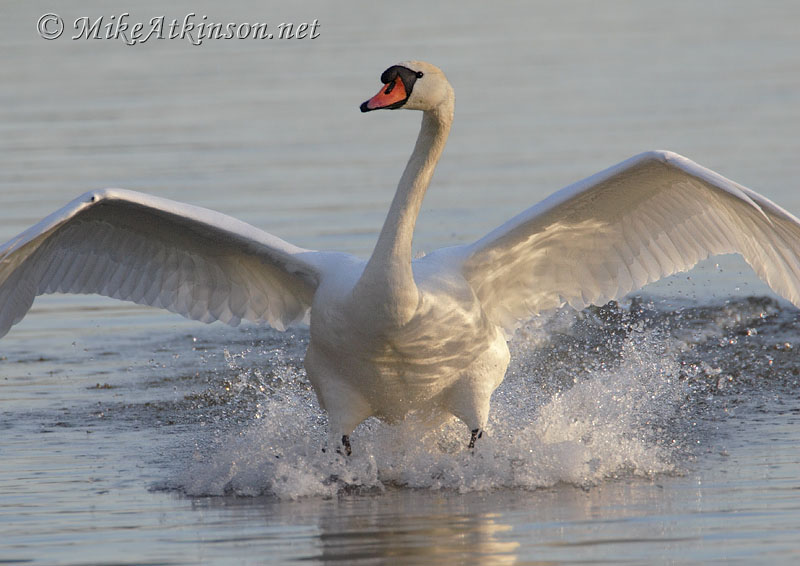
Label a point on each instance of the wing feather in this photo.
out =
(653, 215)
(135, 247)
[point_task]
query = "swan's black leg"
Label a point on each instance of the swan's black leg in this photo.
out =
(476, 434)
(346, 444)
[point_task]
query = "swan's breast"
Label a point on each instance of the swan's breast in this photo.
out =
(397, 369)
(446, 334)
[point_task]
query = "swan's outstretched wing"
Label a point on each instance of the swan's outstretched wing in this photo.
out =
(199, 263)
(655, 214)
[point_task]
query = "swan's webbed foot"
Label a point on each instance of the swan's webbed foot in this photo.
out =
(344, 448)
(348, 450)
(475, 434)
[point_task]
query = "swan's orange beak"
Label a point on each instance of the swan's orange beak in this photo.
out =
(391, 95)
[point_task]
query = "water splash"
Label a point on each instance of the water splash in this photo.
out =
(579, 405)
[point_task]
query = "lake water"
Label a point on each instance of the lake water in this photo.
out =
(659, 431)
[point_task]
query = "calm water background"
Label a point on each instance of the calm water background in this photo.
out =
(129, 436)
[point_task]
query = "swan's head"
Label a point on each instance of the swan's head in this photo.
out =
(414, 85)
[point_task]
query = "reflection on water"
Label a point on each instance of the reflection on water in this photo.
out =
(415, 529)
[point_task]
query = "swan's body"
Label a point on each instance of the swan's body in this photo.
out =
(445, 355)
(391, 335)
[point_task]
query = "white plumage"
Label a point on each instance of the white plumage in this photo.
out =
(650, 216)
(391, 335)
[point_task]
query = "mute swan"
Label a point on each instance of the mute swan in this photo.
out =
(391, 335)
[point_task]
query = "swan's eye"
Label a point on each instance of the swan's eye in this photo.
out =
(420, 74)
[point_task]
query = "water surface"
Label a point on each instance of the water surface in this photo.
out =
(656, 431)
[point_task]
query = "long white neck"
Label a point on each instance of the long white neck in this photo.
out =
(388, 281)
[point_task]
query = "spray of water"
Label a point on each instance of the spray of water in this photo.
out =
(579, 405)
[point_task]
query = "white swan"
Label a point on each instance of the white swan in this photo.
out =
(392, 335)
